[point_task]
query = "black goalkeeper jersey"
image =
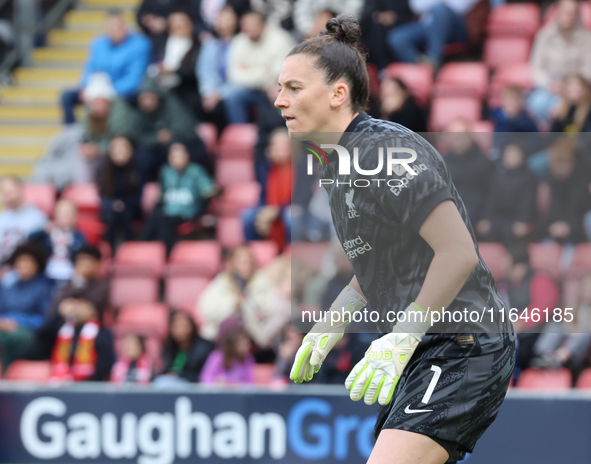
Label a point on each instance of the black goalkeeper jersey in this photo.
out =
(377, 218)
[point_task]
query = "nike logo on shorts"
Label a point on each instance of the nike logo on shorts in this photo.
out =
(407, 410)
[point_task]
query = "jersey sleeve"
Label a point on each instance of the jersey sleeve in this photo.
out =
(410, 198)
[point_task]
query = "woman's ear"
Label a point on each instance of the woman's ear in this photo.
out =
(340, 94)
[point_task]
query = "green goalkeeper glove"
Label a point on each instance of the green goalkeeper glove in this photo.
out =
(325, 335)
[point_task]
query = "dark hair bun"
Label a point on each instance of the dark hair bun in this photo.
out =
(345, 28)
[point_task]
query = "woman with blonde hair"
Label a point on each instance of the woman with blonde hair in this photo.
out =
(574, 112)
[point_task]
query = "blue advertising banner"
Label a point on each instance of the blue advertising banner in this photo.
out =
(315, 424)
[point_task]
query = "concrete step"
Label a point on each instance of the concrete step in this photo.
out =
(29, 96)
(70, 39)
(106, 4)
(21, 153)
(30, 114)
(47, 77)
(92, 19)
(27, 135)
(51, 56)
(18, 170)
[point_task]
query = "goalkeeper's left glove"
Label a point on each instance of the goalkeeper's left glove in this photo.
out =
(376, 375)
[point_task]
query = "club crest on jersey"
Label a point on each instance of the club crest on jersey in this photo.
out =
(349, 201)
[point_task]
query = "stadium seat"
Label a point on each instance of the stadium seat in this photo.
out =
(546, 257)
(238, 141)
(233, 171)
(506, 50)
(184, 290)
(140, 258)
(133, 289)
(92, 229)
(238, 196)
(570, 291)
(311, 253)
(208, 132)
(585, 13)
(483, 134)
(195, 258)
(581, 263)
(374, 80)
(29, 371)
(418, 78)
(150, 197)
(264, 251)
(559, 379)
(445, 109)
(514, 20)
(263, 373)
(584, 380)
(543, 199)
(493, 254)
(514, 74)
(462, 79)
(42, 196)
(106, 259)
(146, 319)
(153, 347)
(85, 196)
(230, 232)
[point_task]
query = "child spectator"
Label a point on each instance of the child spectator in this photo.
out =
(511, 205)
(224, 296)
(25, 296)
(511, 115)
(271, 218)
(134, 365)
(398, 105)
(232, 362)
(574, 112)
(185, 187)
(185, 352)
(61, 241)
(120, 191)
(83, 350)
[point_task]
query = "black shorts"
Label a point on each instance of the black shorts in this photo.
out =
(451, 399)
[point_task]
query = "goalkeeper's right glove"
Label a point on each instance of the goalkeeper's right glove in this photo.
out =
(325, 335)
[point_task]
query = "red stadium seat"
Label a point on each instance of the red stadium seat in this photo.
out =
(418, 78)
(92, 229)
(514, 74)
(85, 196)
(238, 141)
(208, 132)
(483, 134)
(42, 196)
(374, 80)
(546, 257)
(133, 289)
(184, 290)
(29, 371)
(581, 263)
(500, 51)
(585, 13)
(462, 79)
(195, 258)
(514, 20)
(264, 251)
(559, 379)
(310, 253)
(150, 196)
(233, 171)
(584, 380)
(571, 287)
(147, 319)
(494, 254)
(230, 232)
(445, 109)
(140, 258)
(263, 373)
(238, 196)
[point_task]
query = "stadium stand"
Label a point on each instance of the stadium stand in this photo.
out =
(559, 379)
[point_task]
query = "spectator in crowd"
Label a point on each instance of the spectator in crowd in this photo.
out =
(25, 296)
(306, 12)
(17, 220)
(83, 349)
(185, 189)
(574, 112)
(212, 67)
(124, 56)
(61, 241)
(440, 23)
(510, 208)
(152, 18)
(561, 48)
(290, 342)
(86, 284)
(470, 169)
(76, 155)
(162, 119)
(267, 304)
(224, 296)
(341, 359)
(378, 18)
(271, 218)
(569, 198)
(185, 352)
(231, 362)
(209, 10)
(120, 191)
(134, 365)
(277, 11)
(398, 105)
(511, 115)
(254, 62)
(319, 24)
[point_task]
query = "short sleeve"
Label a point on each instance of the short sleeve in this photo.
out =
(410, 198)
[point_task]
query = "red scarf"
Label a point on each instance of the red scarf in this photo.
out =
(278, 193)
(143, 370)
(84, 363)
